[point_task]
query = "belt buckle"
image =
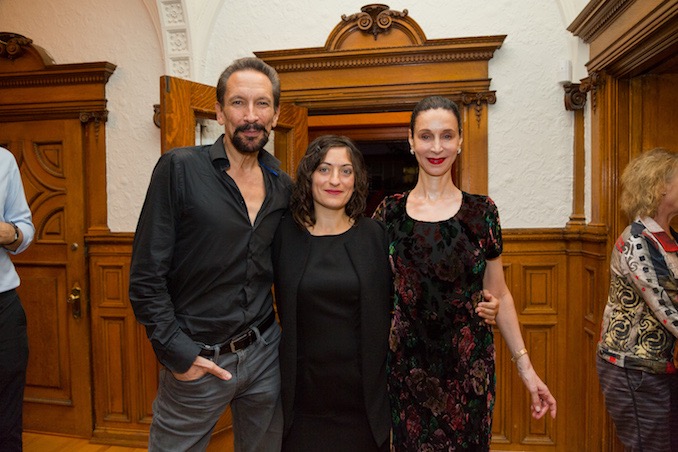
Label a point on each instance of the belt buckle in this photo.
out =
(233, 344)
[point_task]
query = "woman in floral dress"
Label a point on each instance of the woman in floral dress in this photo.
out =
(445, 249)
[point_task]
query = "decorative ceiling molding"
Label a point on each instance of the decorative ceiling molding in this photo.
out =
(176, 38)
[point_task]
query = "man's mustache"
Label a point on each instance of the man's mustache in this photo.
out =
(250, 127)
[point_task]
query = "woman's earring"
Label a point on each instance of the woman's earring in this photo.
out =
(458, 151)
(411, 151)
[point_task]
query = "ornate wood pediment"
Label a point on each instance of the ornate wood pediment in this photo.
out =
(391, 27)
(380, 60)
(28, 72)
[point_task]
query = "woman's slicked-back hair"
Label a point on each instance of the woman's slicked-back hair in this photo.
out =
(644, 182)
(301, 201)
(433, 103)
(249, 64)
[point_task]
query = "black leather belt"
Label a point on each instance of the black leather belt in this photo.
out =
(240, 342)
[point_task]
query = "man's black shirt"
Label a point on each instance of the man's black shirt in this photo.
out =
(200, 270)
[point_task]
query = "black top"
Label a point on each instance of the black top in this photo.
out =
(367, 251)
(328, 308)
(200, 270)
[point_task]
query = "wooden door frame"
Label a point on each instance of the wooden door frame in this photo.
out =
(380, 61)
(627, 39)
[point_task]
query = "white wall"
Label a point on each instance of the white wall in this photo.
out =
(121, 32)
(530, 142)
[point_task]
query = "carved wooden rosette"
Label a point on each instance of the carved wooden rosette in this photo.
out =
(375, 18)
(575, 99)
(13, 45)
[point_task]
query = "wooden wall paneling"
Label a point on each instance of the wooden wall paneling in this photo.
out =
(502, 422)
(536, 271)
(124, 365)
(658, 109)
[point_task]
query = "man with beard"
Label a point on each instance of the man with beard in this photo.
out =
(201, 273)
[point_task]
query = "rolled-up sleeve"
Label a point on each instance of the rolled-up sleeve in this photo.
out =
(16, 208)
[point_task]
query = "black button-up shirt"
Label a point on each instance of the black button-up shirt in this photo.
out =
(200, 270)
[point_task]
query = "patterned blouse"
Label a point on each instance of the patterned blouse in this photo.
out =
(640, 322)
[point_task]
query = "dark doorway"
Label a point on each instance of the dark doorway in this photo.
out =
(391, 168)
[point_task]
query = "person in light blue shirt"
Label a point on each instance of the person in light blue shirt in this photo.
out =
(16, 233)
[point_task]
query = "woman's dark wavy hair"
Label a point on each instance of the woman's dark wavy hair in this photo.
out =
(301, 202)
(433, 103)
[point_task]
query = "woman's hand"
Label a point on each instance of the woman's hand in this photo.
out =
(542, 400)
(489, 308)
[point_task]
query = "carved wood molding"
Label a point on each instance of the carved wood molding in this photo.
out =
(628, 37)
(65, 75)
(575, 98)
(596, 17)
(97, 117)
(374, 19)
(591, 84)
(477, 100)
(436, 51)
(56, 82)
(401, 97)
(156, 115)
(13, 46)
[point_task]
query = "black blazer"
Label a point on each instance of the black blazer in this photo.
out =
(369, 255)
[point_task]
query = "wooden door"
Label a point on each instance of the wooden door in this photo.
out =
(52, 271)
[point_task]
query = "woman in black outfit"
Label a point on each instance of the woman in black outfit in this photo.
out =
(333, 287)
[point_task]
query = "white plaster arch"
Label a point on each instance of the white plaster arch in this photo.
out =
(183, 27)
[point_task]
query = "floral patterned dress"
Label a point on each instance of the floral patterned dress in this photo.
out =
(441, 360)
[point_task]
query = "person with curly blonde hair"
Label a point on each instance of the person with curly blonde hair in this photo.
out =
(640, 322)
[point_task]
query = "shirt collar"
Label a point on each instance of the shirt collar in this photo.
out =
(220, 159)
(667, 241)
